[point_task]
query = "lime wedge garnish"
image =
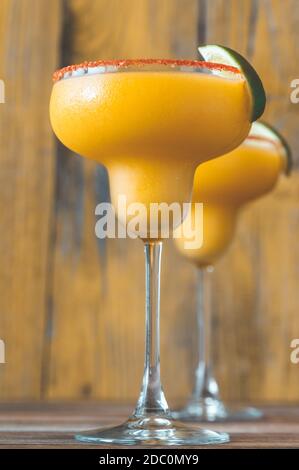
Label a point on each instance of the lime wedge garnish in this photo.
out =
(263, 130)
(227, 56)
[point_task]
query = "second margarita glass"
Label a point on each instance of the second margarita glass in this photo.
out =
(224, 185)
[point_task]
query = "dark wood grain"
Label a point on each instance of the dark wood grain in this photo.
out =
(256, 294)
(52, 425)
(71, 308)
(96, 332)
(29, 41)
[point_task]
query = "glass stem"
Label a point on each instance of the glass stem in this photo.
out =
(152, 400)
(205, 386)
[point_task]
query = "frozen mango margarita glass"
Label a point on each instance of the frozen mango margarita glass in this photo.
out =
(224, 185)
(151, 122)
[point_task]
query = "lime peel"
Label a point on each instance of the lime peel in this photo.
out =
(263, 130)
(225, 55)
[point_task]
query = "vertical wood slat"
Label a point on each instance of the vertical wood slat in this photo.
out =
(29, 35)
(98, 324)
(256, 295)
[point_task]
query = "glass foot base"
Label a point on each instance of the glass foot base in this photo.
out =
(153, 430)
(214, 410)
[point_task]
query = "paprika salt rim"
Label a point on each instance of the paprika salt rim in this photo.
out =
(126, 63)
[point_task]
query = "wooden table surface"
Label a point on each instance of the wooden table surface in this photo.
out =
(52, 425)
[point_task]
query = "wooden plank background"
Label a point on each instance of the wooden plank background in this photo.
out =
(71, 307)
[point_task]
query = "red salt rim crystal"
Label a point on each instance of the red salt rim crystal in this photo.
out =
(276, 144)
(59, 74)
(261, 138)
